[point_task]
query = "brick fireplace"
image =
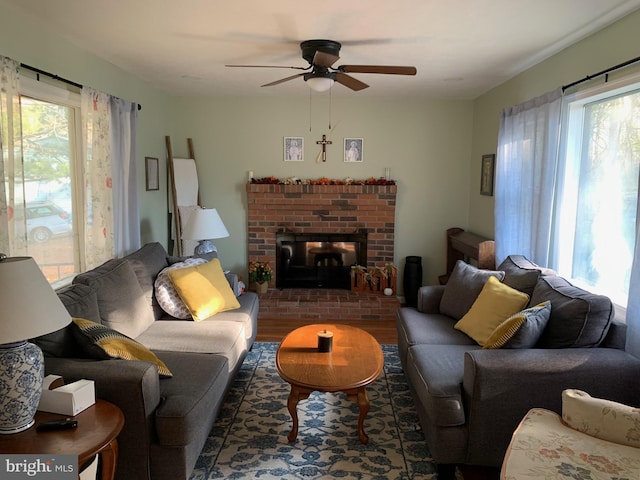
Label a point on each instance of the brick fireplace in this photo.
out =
(306, 208)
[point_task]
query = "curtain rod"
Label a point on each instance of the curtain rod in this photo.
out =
(56, 77)
(603, 72)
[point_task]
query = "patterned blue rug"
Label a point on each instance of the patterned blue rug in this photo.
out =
(249, 440)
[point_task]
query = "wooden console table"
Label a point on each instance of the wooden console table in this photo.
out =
(96, 434)
(462, 245)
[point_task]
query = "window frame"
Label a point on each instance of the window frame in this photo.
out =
(569, 158)
(61, 95)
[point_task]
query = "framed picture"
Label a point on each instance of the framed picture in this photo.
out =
(293, 149)
(152, 173)
(353, 149)
(487, 174)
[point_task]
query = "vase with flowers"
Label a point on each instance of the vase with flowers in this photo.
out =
(260, 273)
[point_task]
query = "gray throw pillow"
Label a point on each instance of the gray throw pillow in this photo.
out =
(463, 287)
(578, 318)
(122, 303)
(529, 333)
(520, 273)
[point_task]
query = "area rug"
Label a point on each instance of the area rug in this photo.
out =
(249, 440)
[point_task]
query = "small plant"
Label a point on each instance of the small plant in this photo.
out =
(259, 271)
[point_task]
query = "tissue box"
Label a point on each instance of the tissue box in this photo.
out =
(68, 399)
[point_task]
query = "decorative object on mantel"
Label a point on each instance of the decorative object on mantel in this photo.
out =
(321, 181)
(374, 279)
(260, 273)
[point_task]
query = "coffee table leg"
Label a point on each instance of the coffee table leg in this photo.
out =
(363, 403)
(292, 404)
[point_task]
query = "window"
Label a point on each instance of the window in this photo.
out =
(597, 192)
(45, 201)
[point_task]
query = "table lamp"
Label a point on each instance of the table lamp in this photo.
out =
(28, 308)
(204, 224)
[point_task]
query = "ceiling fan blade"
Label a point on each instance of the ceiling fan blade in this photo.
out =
(269, 66)
(384, 69)
(350, 82)
(282, 80)
(323, 59)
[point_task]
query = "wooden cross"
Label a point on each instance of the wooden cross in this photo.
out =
(324, 142)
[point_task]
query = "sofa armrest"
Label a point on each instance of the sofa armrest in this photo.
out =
(429, 298)
(131, 385)
(500, 386)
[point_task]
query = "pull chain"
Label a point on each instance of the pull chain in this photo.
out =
(309, 110)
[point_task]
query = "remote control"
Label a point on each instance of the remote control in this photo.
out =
(62, 424)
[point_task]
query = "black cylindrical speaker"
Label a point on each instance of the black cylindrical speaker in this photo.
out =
(412, 280)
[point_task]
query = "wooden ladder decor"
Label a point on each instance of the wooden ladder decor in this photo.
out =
(184, 192)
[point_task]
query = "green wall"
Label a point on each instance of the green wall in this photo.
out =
(611, 46)
(433, 147)
(425, 143)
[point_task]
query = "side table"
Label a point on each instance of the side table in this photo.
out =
(96, 433)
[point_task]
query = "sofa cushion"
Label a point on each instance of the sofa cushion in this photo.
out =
(204, 289)
(147, 262)
(166, 293)
(104, 343)
(494, 305)
(463, 287)
(578, 318)
(121, 302)
(521, 330)
(604, 419)
(80, 301)
(189, 397)
(435, 372)
(520, 273)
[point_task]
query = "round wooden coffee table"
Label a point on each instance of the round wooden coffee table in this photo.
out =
(355, 361)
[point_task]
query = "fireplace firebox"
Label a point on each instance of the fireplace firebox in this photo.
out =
(318, 260)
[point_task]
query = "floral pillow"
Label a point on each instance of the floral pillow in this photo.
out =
(602, 419)
(166, 293)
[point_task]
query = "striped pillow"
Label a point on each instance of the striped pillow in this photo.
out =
(105, 343)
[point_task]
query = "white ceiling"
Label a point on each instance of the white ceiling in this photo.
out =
(461, 48)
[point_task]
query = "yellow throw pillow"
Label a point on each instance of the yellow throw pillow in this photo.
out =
(99, 341)
(494, 305)
(204, 289)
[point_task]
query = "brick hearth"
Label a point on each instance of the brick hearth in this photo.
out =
(322, 209)
(320, 304)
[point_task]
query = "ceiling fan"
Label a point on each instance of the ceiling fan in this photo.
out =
(320, 74)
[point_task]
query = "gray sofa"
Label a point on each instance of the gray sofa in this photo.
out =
(470, 399)
(167, 420)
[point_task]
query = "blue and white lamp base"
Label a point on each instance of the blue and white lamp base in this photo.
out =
(21, 378)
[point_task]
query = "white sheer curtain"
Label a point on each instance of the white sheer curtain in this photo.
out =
(12, 237)
(525, 176)
(633, 304)
(125, 184)
(98, 180)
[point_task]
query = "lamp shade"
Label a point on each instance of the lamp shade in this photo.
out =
(204, 224)
(29, 307)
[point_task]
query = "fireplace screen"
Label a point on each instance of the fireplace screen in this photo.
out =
(318, 260)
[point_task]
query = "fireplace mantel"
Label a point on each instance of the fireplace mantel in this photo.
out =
(306, 208)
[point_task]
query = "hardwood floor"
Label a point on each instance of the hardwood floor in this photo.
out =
(274, 330)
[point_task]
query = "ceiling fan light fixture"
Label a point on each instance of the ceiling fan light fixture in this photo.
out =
(320, 84)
